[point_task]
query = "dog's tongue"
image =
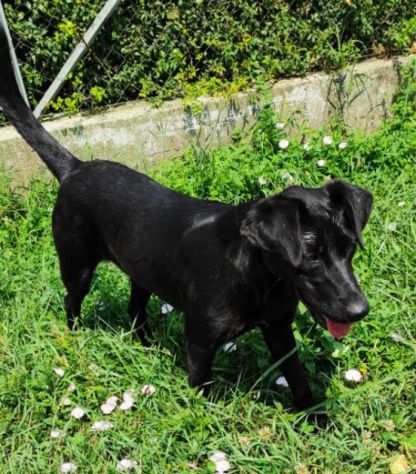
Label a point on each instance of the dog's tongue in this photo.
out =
(338, 330)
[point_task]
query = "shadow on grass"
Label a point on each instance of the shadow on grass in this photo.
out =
(240, 372)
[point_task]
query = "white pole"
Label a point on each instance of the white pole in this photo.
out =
(76, 55)
(15, 64)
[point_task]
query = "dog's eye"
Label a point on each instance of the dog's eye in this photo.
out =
(312, 247)
(309, 237)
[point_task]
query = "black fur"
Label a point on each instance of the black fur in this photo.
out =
(228, 268)
(57, 158)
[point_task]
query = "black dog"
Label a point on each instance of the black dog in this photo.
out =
(228, 268)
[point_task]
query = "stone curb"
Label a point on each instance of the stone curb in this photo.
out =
(139, 134)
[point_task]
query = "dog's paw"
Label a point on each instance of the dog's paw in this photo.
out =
(319, 419)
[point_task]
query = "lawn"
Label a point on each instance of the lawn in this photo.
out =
(175, 430)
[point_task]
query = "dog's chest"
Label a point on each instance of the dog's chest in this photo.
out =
(259, 309)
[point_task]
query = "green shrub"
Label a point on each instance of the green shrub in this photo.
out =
(182, 47)
(259, 165)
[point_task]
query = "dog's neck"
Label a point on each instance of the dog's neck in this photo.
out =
(250, 262)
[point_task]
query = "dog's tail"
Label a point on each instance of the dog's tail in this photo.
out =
(57, 158)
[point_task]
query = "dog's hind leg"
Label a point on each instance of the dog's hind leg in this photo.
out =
(77, 280)
(77, 261)
(139, 298)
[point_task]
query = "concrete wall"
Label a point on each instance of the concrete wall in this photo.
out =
(138, 134)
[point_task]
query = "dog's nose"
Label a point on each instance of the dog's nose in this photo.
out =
(357, 309)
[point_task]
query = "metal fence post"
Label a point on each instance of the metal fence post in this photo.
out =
(19, 79)
(76, 55)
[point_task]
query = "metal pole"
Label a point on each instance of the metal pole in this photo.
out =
(15, 64)
(76, 55)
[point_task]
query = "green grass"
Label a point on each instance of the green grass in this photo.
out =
(247, 417)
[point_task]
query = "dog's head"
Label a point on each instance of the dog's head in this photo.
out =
(313, 235)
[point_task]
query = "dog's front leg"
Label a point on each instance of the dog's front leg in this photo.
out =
(280, 341)
(199, 362)
(137, 311)
(201, 345)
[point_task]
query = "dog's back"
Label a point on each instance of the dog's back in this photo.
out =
(130, 219)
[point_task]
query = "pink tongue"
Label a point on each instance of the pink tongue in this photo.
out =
(338, 330)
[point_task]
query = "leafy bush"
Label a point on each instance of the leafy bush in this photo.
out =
(174, 48)
(261, 164)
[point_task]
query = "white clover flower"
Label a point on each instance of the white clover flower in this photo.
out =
(148, 390)
(101, 426)
(262, 181)
(126, 465)
(77, 413)
(166, 308)
(229, 347)
(59, 371)
(217, 456)
(327, 140)
(67, 467)
(282, 382)
(287, 176)
(109, 405)
(101, 305)
(283, 144)
(321, 163)
(71, 388)
(353, 375)
(221, 462)
(55, 434)
(128, 401)
(397, 337)
(392, 227)
(126, 405)
(106, 408)
(280, 125)
(343, 145)
(222, 466)
(306, 146)
(401, 204)
(65, 401)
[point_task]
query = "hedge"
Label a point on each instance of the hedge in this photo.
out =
(165, 49)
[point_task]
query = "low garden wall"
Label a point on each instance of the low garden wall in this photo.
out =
(139, 134)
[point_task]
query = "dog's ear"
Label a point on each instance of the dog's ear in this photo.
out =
(273, 225)
(352, 206)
